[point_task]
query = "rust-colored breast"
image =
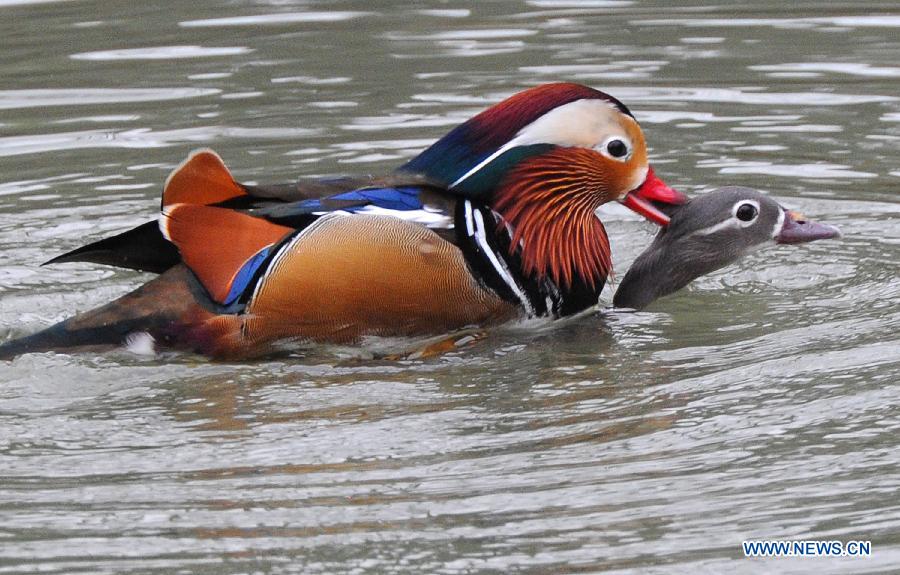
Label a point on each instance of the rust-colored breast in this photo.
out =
(347, 276)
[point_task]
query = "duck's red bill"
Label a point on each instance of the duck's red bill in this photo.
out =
(640, 199)
(656, 190)
(796, 229)
(641, 206)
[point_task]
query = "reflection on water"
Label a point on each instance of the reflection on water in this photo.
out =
(758, 404)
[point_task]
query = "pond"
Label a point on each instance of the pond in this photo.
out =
(759, 403)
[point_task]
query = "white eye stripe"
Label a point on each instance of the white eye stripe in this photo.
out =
(733, 222)
(577, 123)
(778, 223)
(723, 225)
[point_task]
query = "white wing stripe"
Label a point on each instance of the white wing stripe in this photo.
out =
(499, 264)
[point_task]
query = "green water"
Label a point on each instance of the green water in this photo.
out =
(760, 403)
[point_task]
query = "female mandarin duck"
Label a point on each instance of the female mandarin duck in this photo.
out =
(708, 233)
(493, 222)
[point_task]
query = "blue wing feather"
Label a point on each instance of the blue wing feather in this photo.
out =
(400, 198)
(406, 198)
(245, 275)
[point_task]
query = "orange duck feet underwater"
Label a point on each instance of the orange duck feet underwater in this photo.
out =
(494, 222)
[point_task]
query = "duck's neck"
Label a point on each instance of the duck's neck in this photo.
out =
(663, 268)
(486, 239)
(550, 210)
(648, 279)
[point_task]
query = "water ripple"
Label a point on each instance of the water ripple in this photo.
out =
(446, 13)
(4, 3)
(746, 96)
(277, 19)
(137, 138)
(481, 34)
(161, 53)
(759, 402)
(666, 116)
(851, 68)
(579, 3)
(620, 70)
(42, 97)
(868, 21)
(812, 170)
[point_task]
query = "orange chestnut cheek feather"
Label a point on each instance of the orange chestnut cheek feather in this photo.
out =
(631, 175)
(549, 200)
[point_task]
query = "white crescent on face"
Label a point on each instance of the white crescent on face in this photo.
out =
(586, 123)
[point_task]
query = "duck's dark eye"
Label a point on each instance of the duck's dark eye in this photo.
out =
(617, 149)
(746, 212)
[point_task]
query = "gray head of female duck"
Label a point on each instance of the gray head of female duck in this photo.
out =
(710, 232)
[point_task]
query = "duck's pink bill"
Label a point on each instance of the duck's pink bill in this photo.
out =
(796, 229)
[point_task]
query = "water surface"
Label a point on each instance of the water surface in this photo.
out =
(760, 403)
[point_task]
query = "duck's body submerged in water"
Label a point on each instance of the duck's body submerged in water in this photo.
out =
(493, 222)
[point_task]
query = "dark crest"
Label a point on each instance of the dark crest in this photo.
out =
(472, 142)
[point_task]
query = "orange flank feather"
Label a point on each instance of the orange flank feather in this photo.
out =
(345, 277)
(201, 179)
(550, 200)
(216, 242)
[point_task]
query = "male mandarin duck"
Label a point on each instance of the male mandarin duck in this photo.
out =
(495, 221)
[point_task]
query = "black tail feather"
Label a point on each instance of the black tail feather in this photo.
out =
(143, 248)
